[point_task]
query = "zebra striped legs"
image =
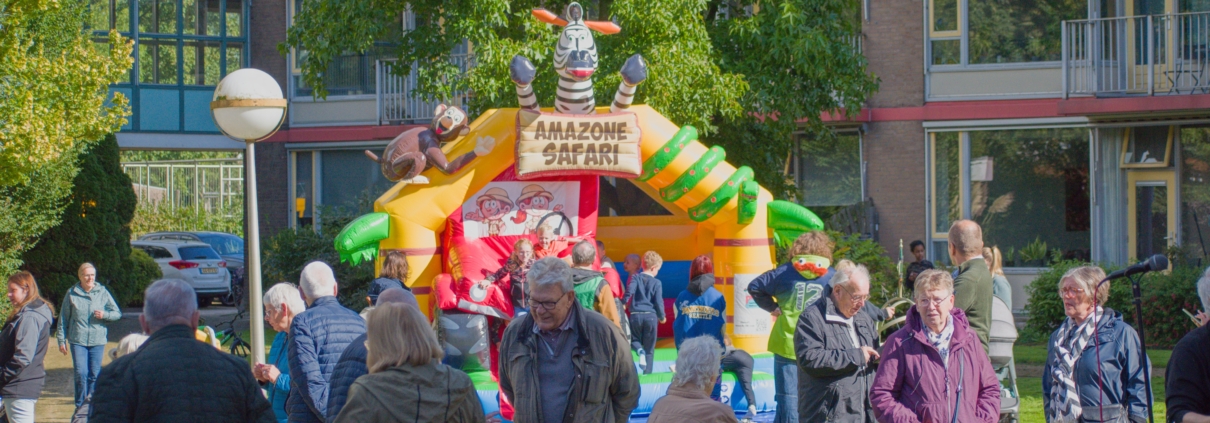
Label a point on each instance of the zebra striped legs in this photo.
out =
(522, 73)
(634, 72)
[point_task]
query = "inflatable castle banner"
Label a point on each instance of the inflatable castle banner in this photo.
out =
(516, 208)
(550, 144)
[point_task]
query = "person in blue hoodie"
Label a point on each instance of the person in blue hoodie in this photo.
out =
(645, 297)
(700, 309)
(282, 302)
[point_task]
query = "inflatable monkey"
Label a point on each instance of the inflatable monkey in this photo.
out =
(418, 149)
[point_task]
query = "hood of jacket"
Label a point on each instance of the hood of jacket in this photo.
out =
(36, 308)
(579, 276)
(700, 284)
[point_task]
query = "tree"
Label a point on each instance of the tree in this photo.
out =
(743, 80)
(54, 84)
(95, 229)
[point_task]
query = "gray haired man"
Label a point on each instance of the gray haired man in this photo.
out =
(563, 363)
(592, 291)
(157, 382)
(836, 345)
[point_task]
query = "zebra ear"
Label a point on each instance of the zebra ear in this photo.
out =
(549, 17)
(604, 27)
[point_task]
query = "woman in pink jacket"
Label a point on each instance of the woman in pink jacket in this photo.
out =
(935, 366)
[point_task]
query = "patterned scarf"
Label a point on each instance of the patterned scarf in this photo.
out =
(1065, 397)
(941, 341)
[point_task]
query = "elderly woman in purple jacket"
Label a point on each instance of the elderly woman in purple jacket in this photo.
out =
(934, 370)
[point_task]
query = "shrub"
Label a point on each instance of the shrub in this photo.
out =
(159, 216)
(288, 251)
(131, 286)
(1165, 325)
(884, 279)
(95, 227)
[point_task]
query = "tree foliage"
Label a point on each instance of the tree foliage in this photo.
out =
(744, 80)
(95, 229)
(54, 84)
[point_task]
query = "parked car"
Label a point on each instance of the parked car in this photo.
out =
(191, 261)
(230, 247)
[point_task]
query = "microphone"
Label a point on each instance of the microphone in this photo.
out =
(1156, 262)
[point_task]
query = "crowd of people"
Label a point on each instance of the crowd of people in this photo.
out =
(566, 354)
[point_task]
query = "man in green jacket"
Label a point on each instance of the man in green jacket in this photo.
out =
(973, 284)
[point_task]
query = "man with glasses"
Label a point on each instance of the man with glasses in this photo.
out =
(564, 363)
(836, 346)
(973, 282)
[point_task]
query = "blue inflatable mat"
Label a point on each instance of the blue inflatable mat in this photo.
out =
(666, 357)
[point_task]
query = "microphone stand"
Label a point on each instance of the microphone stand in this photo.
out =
(1145, 361)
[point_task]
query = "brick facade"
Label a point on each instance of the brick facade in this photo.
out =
(268, 30)
(272, 187)
(895, 171)
(894, 46)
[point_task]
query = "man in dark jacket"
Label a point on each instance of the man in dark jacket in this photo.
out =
(161, 381)
(318, 336)
(1188, 388)
(563, 363)
(352, 362)
(973, 284)
(836, 345)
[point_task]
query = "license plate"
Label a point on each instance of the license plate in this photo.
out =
(209, 270)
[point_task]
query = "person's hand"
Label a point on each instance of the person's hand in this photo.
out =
(664, 320)
(63, 349)
(912, 276)
(494, 417)
(775, 313)
(98, 314)
(870, 354)
(271, 373)
(483, 283)
(258, 372)
(1202, 318)
(890, 313)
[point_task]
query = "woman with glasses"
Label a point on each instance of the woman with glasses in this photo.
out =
(282, 302)
(1093, 369)
(86, 311)
(935, 369)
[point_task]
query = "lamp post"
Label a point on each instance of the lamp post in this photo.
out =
(248, 106)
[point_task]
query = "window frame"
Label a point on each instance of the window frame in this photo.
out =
(963, 35)
(296, 72)
(795, 160)
(1128, 137)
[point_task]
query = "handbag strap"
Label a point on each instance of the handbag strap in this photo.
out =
(961, 376)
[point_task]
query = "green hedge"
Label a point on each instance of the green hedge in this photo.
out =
(1164, 295)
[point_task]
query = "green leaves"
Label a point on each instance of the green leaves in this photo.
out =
(745, 82)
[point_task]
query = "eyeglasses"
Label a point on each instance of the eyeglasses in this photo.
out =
(932, 302)
(855, 298)
(545, 305)
(1072, 292)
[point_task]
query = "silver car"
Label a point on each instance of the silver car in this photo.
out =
(194, 262)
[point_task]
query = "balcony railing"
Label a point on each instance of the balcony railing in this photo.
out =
(397, 101)
(1137, 55)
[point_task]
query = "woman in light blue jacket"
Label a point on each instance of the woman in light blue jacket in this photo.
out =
(83, 314)
(282, 303)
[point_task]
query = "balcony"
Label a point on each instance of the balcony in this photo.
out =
(1136, 55)
(397, 102)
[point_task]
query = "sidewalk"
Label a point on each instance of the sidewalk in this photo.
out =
(58, 396)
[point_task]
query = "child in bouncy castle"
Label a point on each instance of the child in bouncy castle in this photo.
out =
(785, 292)
(515, 268)
(552, 245)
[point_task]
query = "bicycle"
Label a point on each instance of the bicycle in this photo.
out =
(238, 346)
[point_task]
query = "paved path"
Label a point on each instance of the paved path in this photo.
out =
(57, 402)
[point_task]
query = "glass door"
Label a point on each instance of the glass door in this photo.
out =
(1151, 220)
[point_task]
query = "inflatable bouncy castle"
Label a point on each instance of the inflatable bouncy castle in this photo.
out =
(518, 169)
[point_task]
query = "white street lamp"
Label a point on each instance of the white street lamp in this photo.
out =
(248, 106)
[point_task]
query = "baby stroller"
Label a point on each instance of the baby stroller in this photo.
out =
(1000, 351)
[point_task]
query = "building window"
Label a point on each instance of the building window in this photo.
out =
(1028, 189)
(1195, 189)
(182, 49)
(999, 31)
(332, 178)
(827, 170)
(350, 74)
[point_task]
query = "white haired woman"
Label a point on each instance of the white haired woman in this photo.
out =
(407, 382)
(688, 398)
(1093, 369)
(282, 303)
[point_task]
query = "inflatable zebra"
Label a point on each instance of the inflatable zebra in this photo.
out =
(575, 62)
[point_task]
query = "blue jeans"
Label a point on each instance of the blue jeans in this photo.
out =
(785, 380)
(87, 363)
